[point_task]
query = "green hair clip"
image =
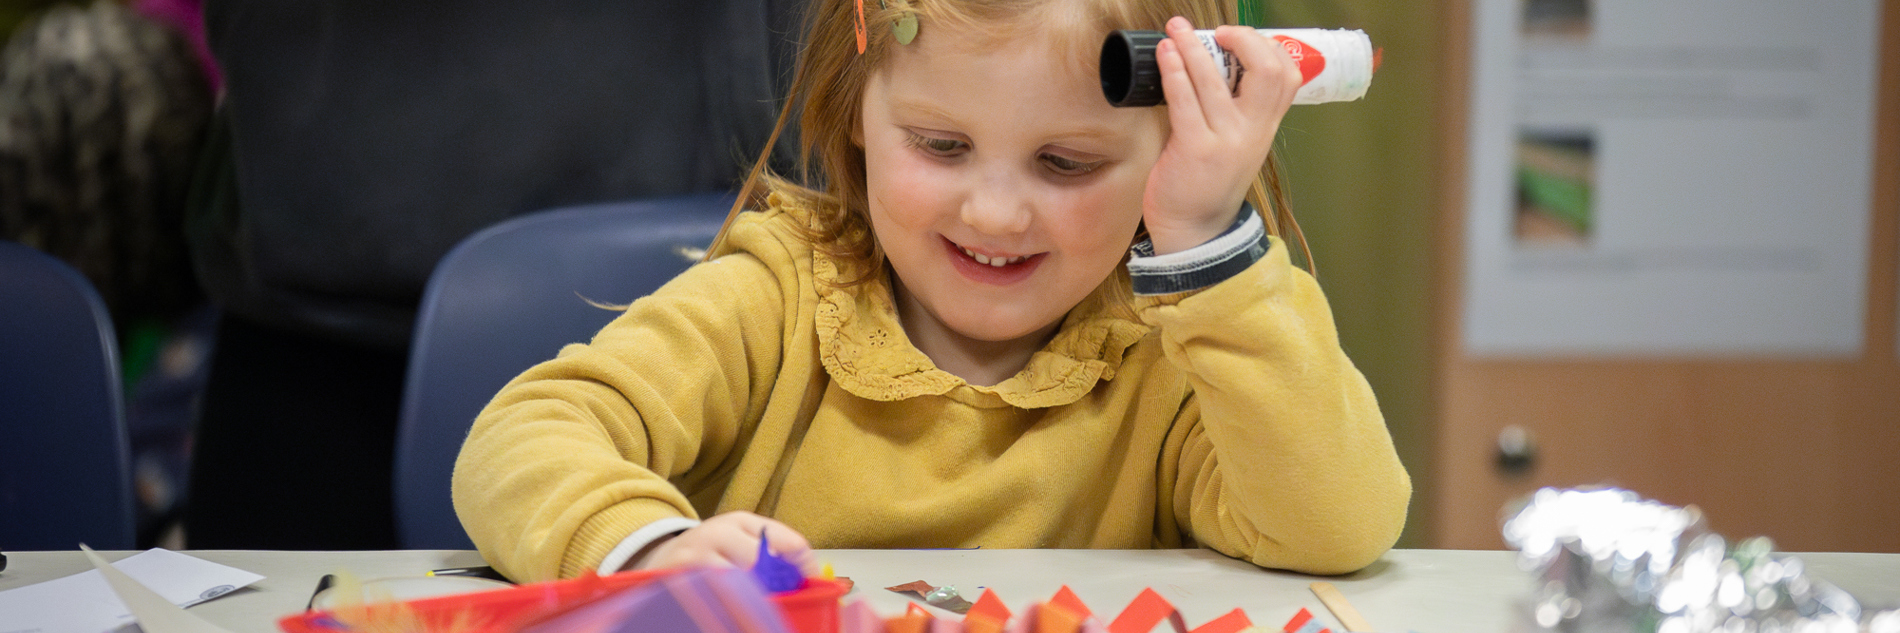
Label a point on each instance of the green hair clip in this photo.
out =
(905, 28)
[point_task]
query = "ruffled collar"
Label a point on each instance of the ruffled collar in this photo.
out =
(863, 346)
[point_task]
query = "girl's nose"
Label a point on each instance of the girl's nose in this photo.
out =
(998, 205)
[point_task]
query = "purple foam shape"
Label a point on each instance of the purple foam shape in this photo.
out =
(776, 574)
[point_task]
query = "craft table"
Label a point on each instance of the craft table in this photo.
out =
(1428, 591)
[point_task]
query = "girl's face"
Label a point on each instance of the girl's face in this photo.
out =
(1002, 186)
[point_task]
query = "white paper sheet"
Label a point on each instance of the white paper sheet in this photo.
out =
(84, 603)
(152, 611)
(1669, 178)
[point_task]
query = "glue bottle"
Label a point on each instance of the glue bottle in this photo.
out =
(1335, 64)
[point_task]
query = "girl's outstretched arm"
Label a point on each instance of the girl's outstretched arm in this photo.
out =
(574, 455)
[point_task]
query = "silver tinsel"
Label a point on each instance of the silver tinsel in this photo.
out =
(1608, 561)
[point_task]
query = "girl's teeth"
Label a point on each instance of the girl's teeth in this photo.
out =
(991, 261)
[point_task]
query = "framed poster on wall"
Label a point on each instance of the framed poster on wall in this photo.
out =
(1669, 177)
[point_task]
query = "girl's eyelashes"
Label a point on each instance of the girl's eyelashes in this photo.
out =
(1069, 167)
(943, 147)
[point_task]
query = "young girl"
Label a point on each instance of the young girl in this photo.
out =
(940, 337)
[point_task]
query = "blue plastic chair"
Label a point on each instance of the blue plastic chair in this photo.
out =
(508, 298)
(65, 460)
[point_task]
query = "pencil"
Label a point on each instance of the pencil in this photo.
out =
(478, 572)
(322, 584)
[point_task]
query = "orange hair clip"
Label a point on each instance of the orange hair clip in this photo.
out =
(860, 26)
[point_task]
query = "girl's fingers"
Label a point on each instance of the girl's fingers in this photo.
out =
(739, 536)
(1184, 106)
(726, 540)
(792, 546)
(741, 547)
(1271, 78)
(1209, 83)
(788, 544)
(738, 550)
(697, 550)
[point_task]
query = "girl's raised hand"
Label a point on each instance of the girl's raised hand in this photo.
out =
(1218, 140)
(731, 540)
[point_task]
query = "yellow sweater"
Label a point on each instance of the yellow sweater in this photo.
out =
(1228, 418)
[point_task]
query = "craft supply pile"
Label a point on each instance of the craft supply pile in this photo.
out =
(1609, 561)
(764, 600)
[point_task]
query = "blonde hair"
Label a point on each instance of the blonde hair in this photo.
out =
(827, 89)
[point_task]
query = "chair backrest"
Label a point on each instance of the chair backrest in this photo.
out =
(65, 461)
(509, 297)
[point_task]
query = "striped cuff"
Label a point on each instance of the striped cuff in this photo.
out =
(1193, 269)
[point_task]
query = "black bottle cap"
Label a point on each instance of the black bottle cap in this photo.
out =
(1130, 76)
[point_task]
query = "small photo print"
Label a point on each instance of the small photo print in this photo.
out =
(1556, 177)
(1568, 19)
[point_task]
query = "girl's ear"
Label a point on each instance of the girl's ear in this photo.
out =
(857, 132)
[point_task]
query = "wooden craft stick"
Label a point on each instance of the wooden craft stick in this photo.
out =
(1336, 603)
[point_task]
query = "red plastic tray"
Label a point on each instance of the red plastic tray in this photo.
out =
(813, 609)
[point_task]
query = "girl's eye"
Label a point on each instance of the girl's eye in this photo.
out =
(935, 146)
(1068, 167)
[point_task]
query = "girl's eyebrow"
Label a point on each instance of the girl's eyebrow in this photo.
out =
(1097, 139)
(915, 108)
(1093, 132)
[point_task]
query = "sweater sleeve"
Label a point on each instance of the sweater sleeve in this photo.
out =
(1285, 461)
(577, 453)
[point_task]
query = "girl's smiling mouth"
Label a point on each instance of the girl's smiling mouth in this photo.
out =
(999, 270)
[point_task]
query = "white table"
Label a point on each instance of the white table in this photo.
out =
(1429, 591)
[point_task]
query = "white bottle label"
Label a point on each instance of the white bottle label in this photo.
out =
(1335, 65)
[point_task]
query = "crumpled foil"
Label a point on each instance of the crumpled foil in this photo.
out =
(1608, 561)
